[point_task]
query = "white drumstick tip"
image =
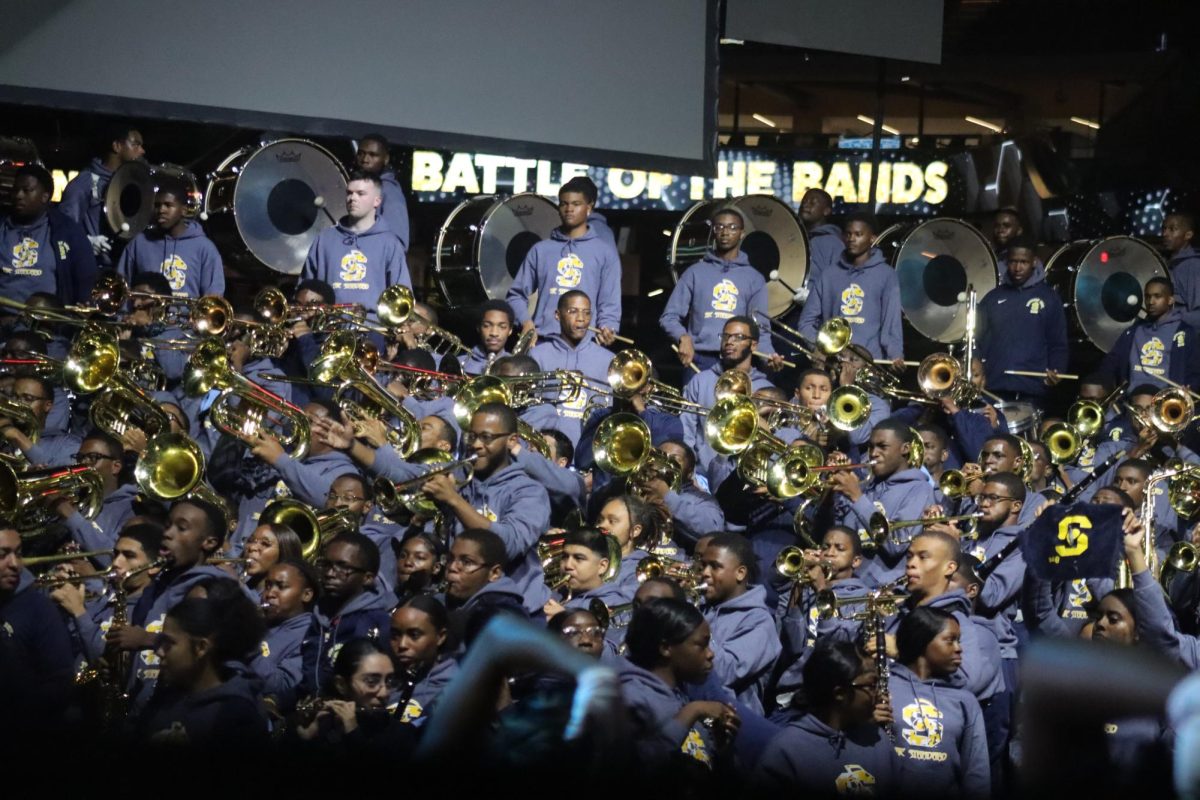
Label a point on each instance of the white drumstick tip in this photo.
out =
(204, 216)
(318, 201)
(1132, 300)
(962, 297)
(124, 227)
(773, 274)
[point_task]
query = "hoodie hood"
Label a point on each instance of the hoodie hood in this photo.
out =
(874, 259)
(1037, 277)
(351, 237)
(370, 599)
(504, 588)
(740, 260)
(97, 167)
(825, 229)
(570, 242)
(814, 727)
(754, 597)
(191, 230)
(906, 476)
(953, 601)
(1172, 317)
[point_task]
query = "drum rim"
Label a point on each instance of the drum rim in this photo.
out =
(1091, 245)
(673, 250)
(987, 248)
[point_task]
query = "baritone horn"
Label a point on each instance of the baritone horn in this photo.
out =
(849, 407)
(94, 363)
(623, 449)
(256, 409)
(397, 308)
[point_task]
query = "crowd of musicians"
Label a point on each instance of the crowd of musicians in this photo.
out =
(324, 523)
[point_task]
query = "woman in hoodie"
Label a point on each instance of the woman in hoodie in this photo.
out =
(419, 637)
(939, 728)
(667, 647)
(420, 566)
(208, 697)
(266, 547)
(837, 747)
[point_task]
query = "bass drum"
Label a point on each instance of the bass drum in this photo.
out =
(936, 263)
(485, 240)
(129, 199)
(1101, 280)
(14, 154)
(262, 203)
(775, 241)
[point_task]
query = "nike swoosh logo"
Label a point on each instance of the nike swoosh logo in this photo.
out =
(998, 302)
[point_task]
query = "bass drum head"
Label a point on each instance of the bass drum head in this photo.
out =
(484, 241)
(1109, 275)
(774, 241)
(935, 265)
(129, 199)
(274, 208)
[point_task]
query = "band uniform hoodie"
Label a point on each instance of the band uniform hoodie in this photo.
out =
(190, 263)
(1022, 327)
(394, 208)
(49, 254)
(825, 247)
(745, 644)
(561, 264)
(83, 201)
(1152, 348)
(359, 266)
(822, 761)
(1185, 274)
(553, 352)
(905, 494)
(867, 297)
(711, 291)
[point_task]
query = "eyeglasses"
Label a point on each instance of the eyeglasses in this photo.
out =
(726, 226)
(992, 498)
(345, 497)
(337, 567)
(374, 680)
(586, 631)
(92, 458)
(736, 338)
(470, 437)
(28, 399)
(464, 565)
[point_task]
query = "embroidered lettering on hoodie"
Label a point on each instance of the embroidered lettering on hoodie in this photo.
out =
(724, 300)
(855, 782)
(25, 257)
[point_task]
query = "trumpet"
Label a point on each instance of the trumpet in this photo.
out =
(622, 448)
(256, 408)
(953, 483)
(941, 375)
(30, 498)
(392, 497)
(617, 616)
(790, 564)
(315, 528)
(50, 580)
(880, 528)
(883, 601)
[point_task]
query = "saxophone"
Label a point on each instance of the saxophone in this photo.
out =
(114, 696)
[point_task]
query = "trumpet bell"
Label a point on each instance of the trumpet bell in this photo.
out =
(172, 466)
(391, 501)
(1063, 442)
(849, 408)
(790, 563)
(953, 484)
(1087, 417)
(1182, 561)
(1171, 411)
(622, 444)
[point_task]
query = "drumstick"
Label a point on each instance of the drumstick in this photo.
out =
(1168, 381)
(691, 364)
(797, 294)
(989, 394)
(616, 337)
(763, 355)
(906, 363)
(319, 202)
(1027, 374)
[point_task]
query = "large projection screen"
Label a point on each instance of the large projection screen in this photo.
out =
(909, 31)
(623, 82)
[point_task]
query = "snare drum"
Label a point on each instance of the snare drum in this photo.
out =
(261, 203)
(485, 240)
(1021, 417)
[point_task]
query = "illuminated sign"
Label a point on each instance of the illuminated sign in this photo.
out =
(905, 185)
(61, 179)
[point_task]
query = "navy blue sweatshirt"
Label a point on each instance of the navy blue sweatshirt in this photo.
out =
(357, 265)
(867, 297)
(50, 254)
(36, 648)
(711, 291)
(227, 717)
(394, 209)
(190, 262)
(1156, 347)
(366, 614)
(561, 264)
(1022, 327)
(821, 761)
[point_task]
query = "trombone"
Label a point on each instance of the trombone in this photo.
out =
(849, 407)
(880, 528)
(257, 408)
(392, 497)
(492, 389)
(832, 337)
(882, 383)
(883, 601)
(63, 558)
(315, 528)
(623, 449)
(630, 371)
(941, 375)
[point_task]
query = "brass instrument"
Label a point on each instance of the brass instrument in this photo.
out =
(1087, 416)
(733, 425)
(256, 409)
(880, 528)
(884, 599)
(94, 364)
(941, 375)
(630, 371)
(1063, 442)
(832, 337)
(1173, 470)
(849, 407)
(953, 483)
(20, 417)
(396, 308)
(63, 558)
(551, 548)
(50, 580)
(622, 448)
(392, 497)
(172, 468)
(1182, 560)
(1171, 411)
(32, 363)
(315, 528)
(790, 564)
(883, 383)
(1183, 492)
(685, 574)
(30, 498)
(492, 389)
(617, 616)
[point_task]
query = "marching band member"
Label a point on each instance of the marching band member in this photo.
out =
(35, 648)
(574, 257)
(360, 256)
(353, 492)
(720, 286)
(632, 521)
(83, 198)
(208, 700)
(1131, 477)
(565, 487)
(584, 562)
(351, 605)
(573, 348)
(1022, 301)
(41, 249)
(850, 362)
(267, 546)
(744, 638)
(1184, 267)
(936, 457)
(939, 726)
(1006, 226)
(739, 339)
(694, 512)
(896, 489)
(289, 591)
(373, 158)
(862, 289)
(837, 748)
(475, 578)
(310, 479)
(53, 448)
(147, 316)
(103, 454)
(825, 241)
(1161, 344)
(419, 645)
(420, 564)
(501, 498)
(496, 323)
(1002, 453)
(175, 247)
(137, 545)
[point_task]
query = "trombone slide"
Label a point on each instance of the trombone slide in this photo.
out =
(905, 363)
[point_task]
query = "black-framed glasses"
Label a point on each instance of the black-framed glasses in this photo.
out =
(345, 497)
(736, 338)
(324, 565)
(470, 437)
(91, 458)
(992, 498)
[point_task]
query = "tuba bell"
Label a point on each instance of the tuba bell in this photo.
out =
(315, 528)
(256, 409)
